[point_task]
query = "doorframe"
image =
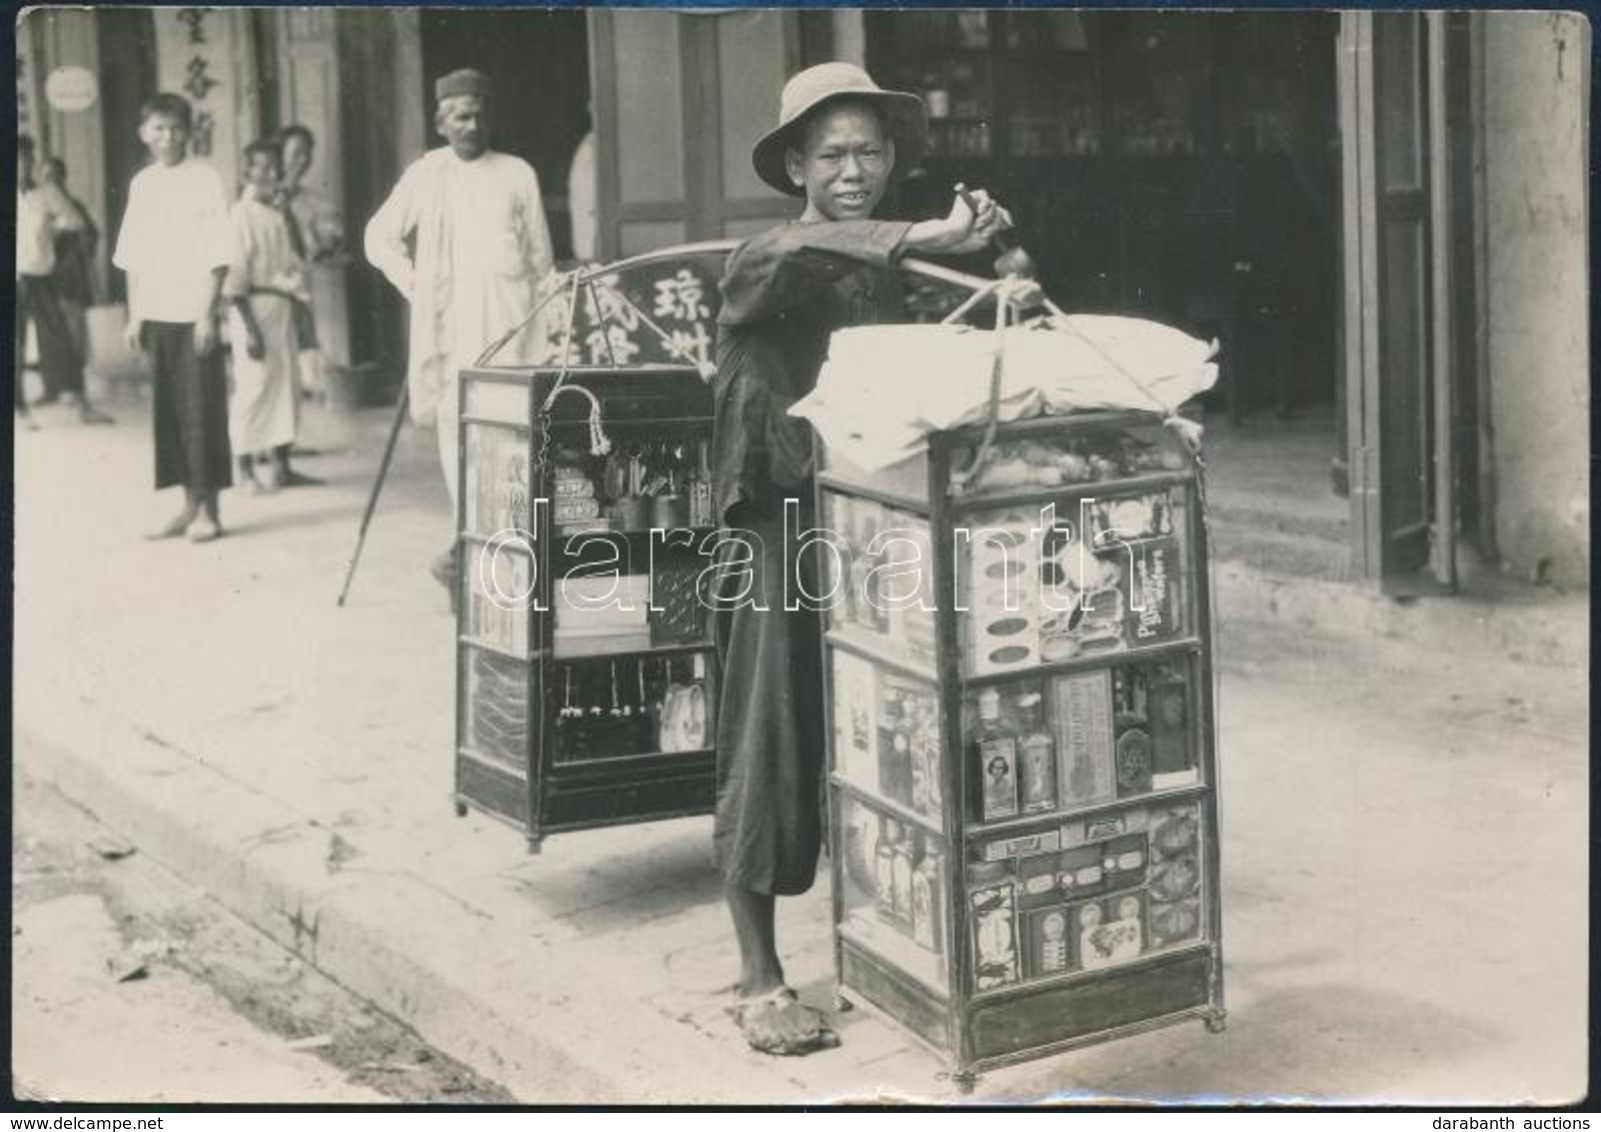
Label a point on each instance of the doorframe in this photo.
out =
(1454, 230)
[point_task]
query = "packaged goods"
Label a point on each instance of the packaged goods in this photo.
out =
(1048, 949)
(1081, 713)
(994, 919)
(928, 901)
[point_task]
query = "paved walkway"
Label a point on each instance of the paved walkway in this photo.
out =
(1404, 832)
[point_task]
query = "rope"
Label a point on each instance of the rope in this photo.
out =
(1002, 289)
(599, 445)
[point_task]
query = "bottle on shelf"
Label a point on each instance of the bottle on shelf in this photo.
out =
(928, 899)
(884, 869)
(995, 749)
(901, 880)
(1036, 757)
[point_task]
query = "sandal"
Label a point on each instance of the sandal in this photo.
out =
(778, 1023)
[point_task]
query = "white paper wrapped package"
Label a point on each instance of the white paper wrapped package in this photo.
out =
(884, 388)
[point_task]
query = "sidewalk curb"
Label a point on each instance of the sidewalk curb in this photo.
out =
(377, 934)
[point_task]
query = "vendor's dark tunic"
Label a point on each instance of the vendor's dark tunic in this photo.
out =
(784, 293)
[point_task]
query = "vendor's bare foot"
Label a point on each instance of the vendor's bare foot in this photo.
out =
(776, 1022)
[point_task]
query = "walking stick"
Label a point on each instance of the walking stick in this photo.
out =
(377, 487)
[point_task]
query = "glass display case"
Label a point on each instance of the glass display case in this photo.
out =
(1023, 783)
(586, 674)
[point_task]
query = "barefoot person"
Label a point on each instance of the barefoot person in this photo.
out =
(47, 221)
(839, 141)
(175, 247)
(481, 249)
(265, 286)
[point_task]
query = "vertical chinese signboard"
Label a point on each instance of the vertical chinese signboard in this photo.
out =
(195, 57)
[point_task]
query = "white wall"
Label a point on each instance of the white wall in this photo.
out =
(1537, 225)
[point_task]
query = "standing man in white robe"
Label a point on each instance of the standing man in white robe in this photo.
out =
(482, 248)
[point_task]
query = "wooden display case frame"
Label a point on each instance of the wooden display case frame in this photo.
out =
(968, 1029)
(551, 795)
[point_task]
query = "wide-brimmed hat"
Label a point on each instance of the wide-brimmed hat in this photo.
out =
(905, 117)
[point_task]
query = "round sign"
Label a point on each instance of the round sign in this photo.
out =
(70, 90)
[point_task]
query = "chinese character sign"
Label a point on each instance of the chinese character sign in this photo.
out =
(658, 312)
(195, 49)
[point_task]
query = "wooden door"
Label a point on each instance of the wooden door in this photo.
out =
(678, 100)
(1398, 309)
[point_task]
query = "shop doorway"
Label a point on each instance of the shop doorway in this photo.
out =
(1179, 166)
(1414, 378)
(538, 61)
(127, 73)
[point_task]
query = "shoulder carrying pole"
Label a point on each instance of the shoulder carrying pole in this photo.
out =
(377, 487)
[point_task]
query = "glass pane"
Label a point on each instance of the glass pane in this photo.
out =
(1072, 458)
(887, 735)
(498, 401)
(1399, 78)
(495, 491)
(894, 893)
(1041, 587)
(495, 708)
(880, 575)
(499, 586)
(1089, 895)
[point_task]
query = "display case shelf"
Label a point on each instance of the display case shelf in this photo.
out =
(857, 643)
(875, 800)
(891, 948)
(488, 646)
(1183, 647)
(1012, 827)
(1038, 497)
(562, 654)
(900, 502)
(1150, 959)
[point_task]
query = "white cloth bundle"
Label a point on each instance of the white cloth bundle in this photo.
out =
(884, 388)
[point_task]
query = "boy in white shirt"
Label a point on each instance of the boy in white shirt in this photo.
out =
(265, 286)
(175, 246)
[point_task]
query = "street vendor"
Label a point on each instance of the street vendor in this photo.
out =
(463, 237)
(839, 141)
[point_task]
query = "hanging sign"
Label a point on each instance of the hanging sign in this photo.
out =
(71, 90)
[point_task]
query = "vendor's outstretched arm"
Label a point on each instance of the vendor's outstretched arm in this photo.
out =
(788, 266)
